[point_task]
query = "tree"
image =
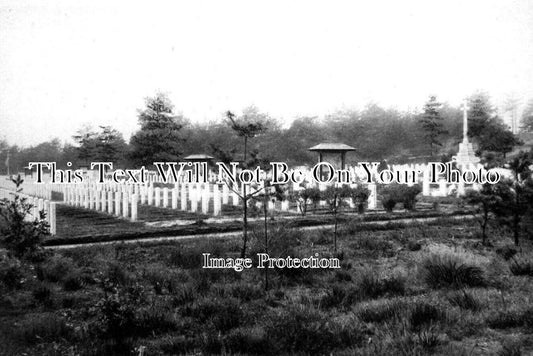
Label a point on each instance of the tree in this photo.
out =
(334, 197)
(486, 201)
(480, 113)
(359, 196)
(527, 117)
(111, 144)
(86, 138)
(520, 192)
(431, 122)
(248, 126)
(20, 236)
(270, 192)
(304, 197)
(496, 137)
(159, 139)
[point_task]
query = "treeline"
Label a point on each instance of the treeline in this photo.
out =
(376, 132)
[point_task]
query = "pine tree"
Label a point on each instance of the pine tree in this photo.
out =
(159, 139)
(431, 122)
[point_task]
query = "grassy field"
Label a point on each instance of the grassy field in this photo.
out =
(402, 289)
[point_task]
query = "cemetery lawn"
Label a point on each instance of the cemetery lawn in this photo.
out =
(402, 289)
(78, 225)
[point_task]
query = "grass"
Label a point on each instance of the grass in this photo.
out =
(387, 299)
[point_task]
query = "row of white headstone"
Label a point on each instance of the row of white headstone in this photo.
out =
(37, 205)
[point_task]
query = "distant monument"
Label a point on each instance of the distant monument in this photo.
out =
(466, 155)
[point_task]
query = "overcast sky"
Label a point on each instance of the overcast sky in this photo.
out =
(66, 63)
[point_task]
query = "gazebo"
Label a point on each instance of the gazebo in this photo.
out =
(333, 153)
(198, 157)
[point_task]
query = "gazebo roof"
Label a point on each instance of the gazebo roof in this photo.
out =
(332, 147)
(197, 157)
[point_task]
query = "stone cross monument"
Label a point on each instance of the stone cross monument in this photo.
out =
(466, 155)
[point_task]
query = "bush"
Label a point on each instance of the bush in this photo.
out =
(190, 257)
(379, 313)
(510, 347)
(307, 331)
(73, 282)
(414, 245)
(222, 314)
(248, 341)
(447, 271)
(359, 196)
(423, 314)
(42, 294)
(45, 327)
(399, 193)
(17, 234)
(340, 296)
(12, 272)
(505, 320)
(507, 252)
(304, 197)
(522, 268)
(370, 286)
(464, 300)
(56, 268)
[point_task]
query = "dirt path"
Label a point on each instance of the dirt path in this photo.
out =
(238, 233)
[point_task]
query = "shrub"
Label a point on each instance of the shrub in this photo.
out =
(522, 268)
(505, 320)
(414, 245)
(183, 295)
(381, 312)
(340, 295)
(73, 281)
(12, 272)
(42, 294)
(359, 196)
(56, 268)
(246, 291)
(116, 312)
(46, 327)
(370, 286)
(423, 314)
(396, 193)
(304, 197)
(248, 341)
(464, 300)
(155, 318)
(190, 257)
(510, 347)
(448, 271)
(117, 274)
(17, 234)
(307, 331)
(223, 314)
(507, 252)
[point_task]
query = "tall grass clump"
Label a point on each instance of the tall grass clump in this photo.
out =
(464, 300)
(447, 271)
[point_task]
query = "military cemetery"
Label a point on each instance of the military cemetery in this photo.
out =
(281, 178)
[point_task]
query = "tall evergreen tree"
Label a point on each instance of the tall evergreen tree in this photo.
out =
(431, 122)
(159, 139)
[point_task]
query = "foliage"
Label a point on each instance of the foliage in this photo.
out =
(334, 197)
(396, 193)
(431, 122)
(451, 272)
(527, 117)
(464, 300)
(19, 235)
(486, 201)
(160, 138)
(359, 196)
(304, 197)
